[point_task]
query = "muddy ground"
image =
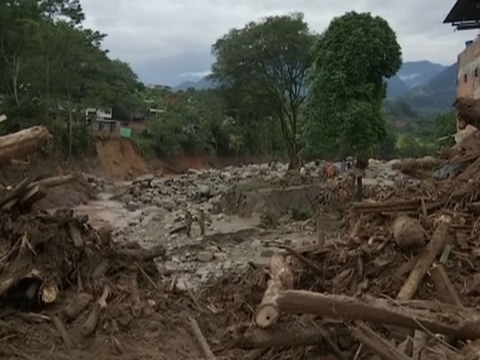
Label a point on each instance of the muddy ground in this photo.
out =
(216, 278)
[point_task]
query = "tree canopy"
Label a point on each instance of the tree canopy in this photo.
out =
(264, 64)
(352, 59)
(50, 63)
(280, 88)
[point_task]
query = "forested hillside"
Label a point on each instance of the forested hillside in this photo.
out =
(52, 68)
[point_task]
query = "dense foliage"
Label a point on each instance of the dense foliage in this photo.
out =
(268, 60)
(52, 68)
(347, 87)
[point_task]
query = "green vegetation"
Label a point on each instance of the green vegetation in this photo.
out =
(268, 60)
(52, 68)
(347, 85)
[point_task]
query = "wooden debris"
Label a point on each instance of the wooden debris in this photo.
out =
(436, 318)
(63, 332)
(23, 142)
(427, 257)
(378, 345)
(281, 335)
(201, 339)
(91, 323)
(56, 181)
(408, 232)
(281, 278)
(386, 206)
(76, 304)
(444, 286)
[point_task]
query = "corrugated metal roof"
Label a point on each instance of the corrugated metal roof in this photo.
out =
(464, 10)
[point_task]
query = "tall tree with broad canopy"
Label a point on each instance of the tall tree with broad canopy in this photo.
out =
(352, 59)
(268, 60)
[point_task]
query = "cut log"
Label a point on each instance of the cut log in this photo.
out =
(408, 232)
(23, 143)
(445, 319)
(281, 278)
(386, 206)
(56, 181)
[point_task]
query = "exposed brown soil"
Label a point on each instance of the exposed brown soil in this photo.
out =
(118, 159)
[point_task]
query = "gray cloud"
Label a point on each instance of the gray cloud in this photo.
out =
(177, 35)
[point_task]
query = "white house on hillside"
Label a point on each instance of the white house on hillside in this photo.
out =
(99, 113)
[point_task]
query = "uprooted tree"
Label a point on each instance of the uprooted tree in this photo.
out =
(352, 59)
(269, 60)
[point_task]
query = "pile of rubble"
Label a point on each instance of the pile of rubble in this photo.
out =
(401, 283)
(57, 270)
(204, 185)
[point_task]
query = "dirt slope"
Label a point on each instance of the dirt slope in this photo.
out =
(119, 160)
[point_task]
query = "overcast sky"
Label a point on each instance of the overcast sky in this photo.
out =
(169, 41)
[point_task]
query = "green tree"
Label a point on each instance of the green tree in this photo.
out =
(50, 62)
(352, 59)
(268, 60)
(445, 127)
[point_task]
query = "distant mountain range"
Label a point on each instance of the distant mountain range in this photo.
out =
(424, 85)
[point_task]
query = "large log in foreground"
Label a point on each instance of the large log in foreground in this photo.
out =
(281, 278)
(461, 323)
(23, 142)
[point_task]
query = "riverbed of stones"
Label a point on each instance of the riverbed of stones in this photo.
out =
(155, 210)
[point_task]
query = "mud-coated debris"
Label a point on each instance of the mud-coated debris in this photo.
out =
(267, 253)
(132, 205)
(144, 178)
(205, 256)
(408, 232)
(220, 256)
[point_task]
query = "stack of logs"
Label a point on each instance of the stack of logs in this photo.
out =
(419, 237)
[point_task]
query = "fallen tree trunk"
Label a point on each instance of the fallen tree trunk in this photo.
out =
(461, 323)
(23, 142)
(281, 278)
(55, 181)
(386, 206)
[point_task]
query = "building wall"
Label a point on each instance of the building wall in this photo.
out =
(104, 113)
(468, 79)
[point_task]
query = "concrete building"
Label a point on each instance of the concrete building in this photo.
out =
(465, 15)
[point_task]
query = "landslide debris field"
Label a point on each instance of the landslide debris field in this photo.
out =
(290, 266)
